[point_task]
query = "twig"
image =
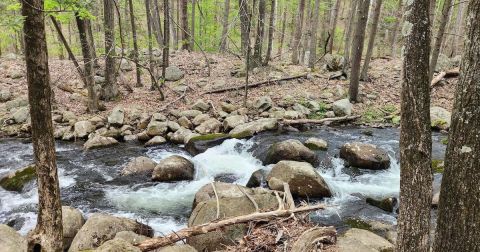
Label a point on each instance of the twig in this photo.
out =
(218, 202)
(267, 82)
(320, 121)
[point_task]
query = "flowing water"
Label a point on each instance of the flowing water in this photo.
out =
(90, 180)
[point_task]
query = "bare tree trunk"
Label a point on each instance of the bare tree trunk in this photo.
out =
(398, 21)
(244, 14)
(458, 28)
(432, 13)
(306, 36)
(166, 42)
(59, 39)
(135, 46)
(172, 28)
(333, 26)
(257, 52)
(178, 33)
(150, 49)
(184, 26)
(87, 52)
(157, 30)
(357, 48)
(282, 35)
(48, 234)
(313, 40)
(458, 216)
(192, 30)
(298, 32)
(371, 38)
(439, 36)
(226, 12)
(110, 90)
(350, 29)
(415, 134)
(247, 58)
(271, 28)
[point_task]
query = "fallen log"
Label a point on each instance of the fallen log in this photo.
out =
(66, 88)
(182, 234)
(267, 82)
(319, 121)
(452, 73)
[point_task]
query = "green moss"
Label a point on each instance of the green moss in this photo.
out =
(317, 115)
(386, 204)
(358, 223)
(16, 181)
(208, 137)
(241, 135)
(439, 123)
(371, 115)
(438, 166)
(444, 141)
(396, 120)
(390, 108)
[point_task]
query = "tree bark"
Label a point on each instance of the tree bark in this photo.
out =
(398, 21)
(348, 37)
(192, 30)
(257, 52)
(271, 28)
(458, 216)
(244, 14)
(91, 42)
(458, 28)
(48, 233)
(87, 52)
(226, 12)
(110, 90)
(298, 32)
(439, 36)
(371, 39)
(156, 29)
(184, 26)
(333, 26)
(415, 134)
(313, 39)
(138, 72)
(166, 42)
(282, 35)
(357, 47)
(150, 49)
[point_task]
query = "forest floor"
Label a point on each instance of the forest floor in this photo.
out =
(380, 97)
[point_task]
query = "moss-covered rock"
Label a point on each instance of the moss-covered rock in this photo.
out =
(387, 204)
(358, 223)
(438, 165)
(17, 179)
(199, 144)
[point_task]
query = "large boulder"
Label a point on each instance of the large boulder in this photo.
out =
(173, 73)
(334, 62)
(232, 202)
(139, 165)
(10, 240)
(190, 114)
(117, 245)
(117, 116)
(233, 121)
(72, 221)
(156, 140)
(180, 135)
(361, 240)
(83, 128)
(15, 180)
(314, 143)
(178, 248)
(173, 168)
(257, 179)
(103, 227)
(365, 156)
(199, 144)
(21, 115)
(290, 149)
(302, 178)
(440, 118)
(201, 105)
(131, 237)
(263, 103)
(199, 119)
(156, 128)
(99, 142)
(209, 126)
(251, 128)
(342, 107)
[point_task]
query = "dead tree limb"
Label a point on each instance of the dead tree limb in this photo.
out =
(319, 121)
(158, 242)
(261, 83)
(446, 74)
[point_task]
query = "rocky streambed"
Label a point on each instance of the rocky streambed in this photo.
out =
(96, 181)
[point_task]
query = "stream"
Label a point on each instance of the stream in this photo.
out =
(90, 180)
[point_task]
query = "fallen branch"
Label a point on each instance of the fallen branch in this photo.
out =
(319, 121)
(158, 242)
(446, 74)
(267, 82)
(65, 88)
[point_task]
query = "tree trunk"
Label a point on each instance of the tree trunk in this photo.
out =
(298, 32)
(282, 36)
(110, 90)
(415, 134)
(333, 26)
(223, 40)
(184, 26)
(87, 52)
(150, 49)
(313, 39)
(458, 28)
(257, 52)
(458, 216)
(157, 30)
(166, 42)
(439, 37)
(192, 30)
(432, 13)
(306, 36)
(348, 37)
(135, 45)
(271, 28)
(178, 38)
(357, 47)
(48, 233)
(244, 24)
(172, 27)
(398, 21)
(371, 38)
(91, 42)
(59, 40)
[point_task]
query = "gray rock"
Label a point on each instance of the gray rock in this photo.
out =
(233, 121)
(199, 119)
(138, 165)
(290, 149)
(21, 115)
(366, 156)
(158, 117)
(99, 79)
(201, 105)
(156, 140)
(292, 114)
(72, 221)
(190, 114)
(303, 179)
(313, 105)
(440, 118)
(117, 116)
(209, 126)
(178, 248)
(228, 107)
(21, 101)
(173, 73)
(263, 103)
(179, 136)
(258, 178)
(173, 126)
(125, 65)
(10, 240)
(68, 116)
(330, 114)
(15, 180)
(342, 107)
(173, 168)
(185, 122)
(308, 241)
(83, 128)
(334, 62)
(130, 237)
(117, 245)
(99, 142)
(156, 128)
(199, 144)
(361, 240)
(251, 128)
(314, 143)
(301, 109)
(5, 95)
(100, 228)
